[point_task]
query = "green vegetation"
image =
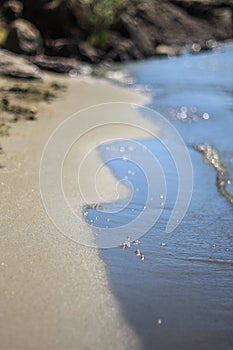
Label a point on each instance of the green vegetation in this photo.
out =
(3, 30)
(105, 12)
(99, 39)
(103, 15)
(3, 34)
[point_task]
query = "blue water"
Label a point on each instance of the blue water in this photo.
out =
(181, 295)
(201, 84)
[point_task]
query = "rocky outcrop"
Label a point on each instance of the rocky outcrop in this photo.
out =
(139, 32)
(121, 50)
(12, 10)
(139, 29)
(165, 23)
(54, 19)
(17, 67)
(61, 65)
(23, 38)
(217, 13)
(68, 47)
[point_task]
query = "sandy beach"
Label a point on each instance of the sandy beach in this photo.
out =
(54, 292)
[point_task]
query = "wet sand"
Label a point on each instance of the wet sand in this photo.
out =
(54, 292)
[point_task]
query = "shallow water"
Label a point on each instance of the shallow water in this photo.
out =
(181, 295)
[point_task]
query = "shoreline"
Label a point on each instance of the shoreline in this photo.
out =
(56, 293)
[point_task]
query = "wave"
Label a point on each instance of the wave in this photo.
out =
(211, 261)
(213, 158)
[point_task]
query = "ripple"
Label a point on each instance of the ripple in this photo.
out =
(211, 261)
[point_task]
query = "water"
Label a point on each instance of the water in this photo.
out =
(181, 295)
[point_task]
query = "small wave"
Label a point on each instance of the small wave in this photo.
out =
(213, 158)
(211, 261)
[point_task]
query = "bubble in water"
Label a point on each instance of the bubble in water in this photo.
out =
(184, 109)
(183, 115)
(193, 109)
(206, 116)
(131, 148)
(125, 157)
(195, 118)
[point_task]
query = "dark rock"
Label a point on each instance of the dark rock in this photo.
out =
(149, 24)
(81, 13)
(12, 10)
(59, 64)
(172, 25)
(71, 48)
(139, 33)
(218, 14)
(89, 54)
(23, 38)
(123, 50)
(54, 19)
(15, 66)
(223, 21)
(63, 47)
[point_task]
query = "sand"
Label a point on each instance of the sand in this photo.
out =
(54, 291)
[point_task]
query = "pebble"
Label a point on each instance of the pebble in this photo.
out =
(136, 241)
(137, 252)
(125, 245)
(95, 206)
